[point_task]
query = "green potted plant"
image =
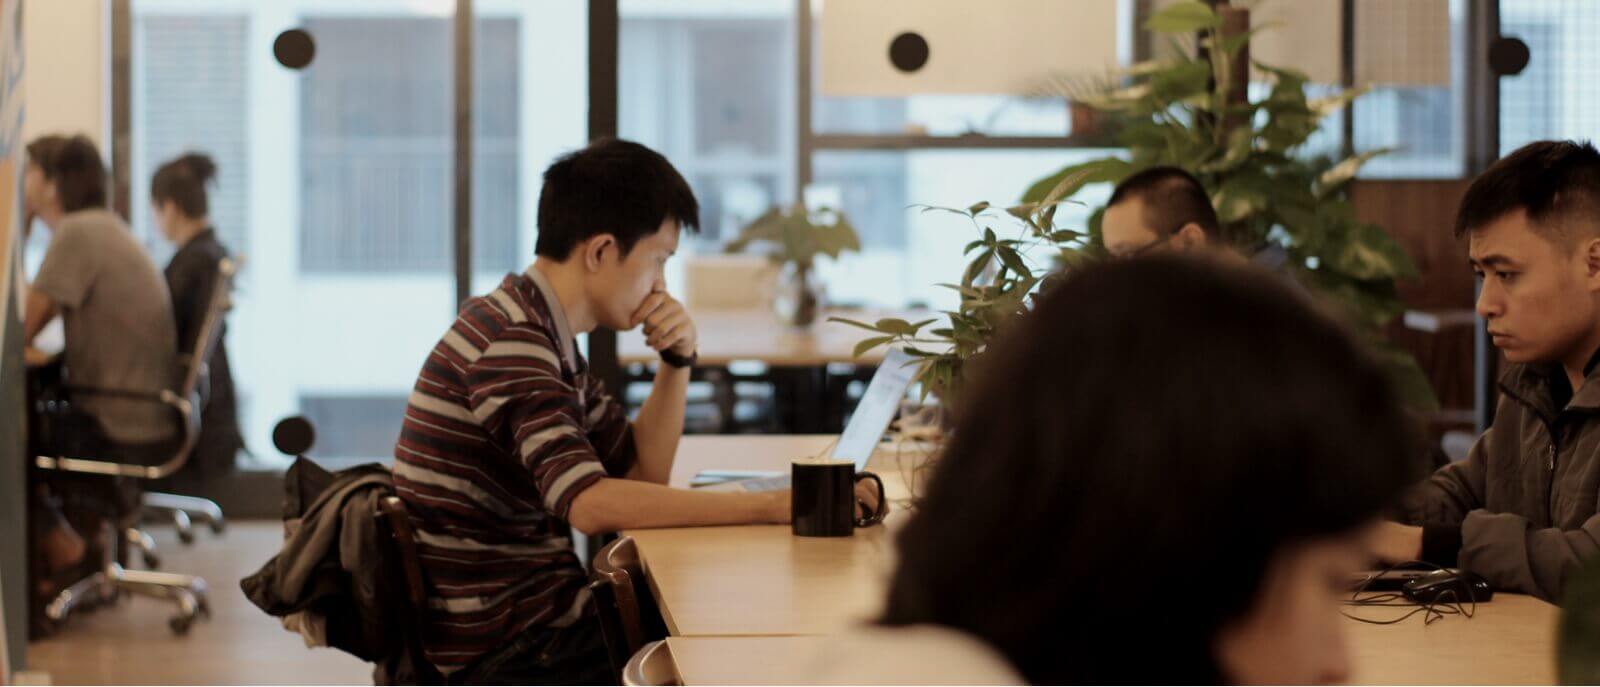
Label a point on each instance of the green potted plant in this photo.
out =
(1187, 111)
(793, 238)
(1182, 111)
(1012, 257)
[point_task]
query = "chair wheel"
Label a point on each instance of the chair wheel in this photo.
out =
(219, 526)
(203, 608)
(152, 561)
(180, 624)
(186, 536)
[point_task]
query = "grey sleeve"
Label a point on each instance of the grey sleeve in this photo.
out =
(69, 267)
(1453, 491)
(1512, 554)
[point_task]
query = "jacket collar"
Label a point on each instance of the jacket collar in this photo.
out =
(1541, 387)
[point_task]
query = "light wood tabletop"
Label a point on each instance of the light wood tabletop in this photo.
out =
(1510, 641)
(756, 334)
(763, 580)
(751, 605)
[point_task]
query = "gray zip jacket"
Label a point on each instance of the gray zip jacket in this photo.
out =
(1520, 510)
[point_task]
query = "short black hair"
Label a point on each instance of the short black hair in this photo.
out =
(73, 164)
(1178, 479)
(612, 187)
(1172, 198)
(183, 181)
(1554, 181)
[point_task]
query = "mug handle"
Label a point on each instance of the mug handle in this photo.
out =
(883, 501)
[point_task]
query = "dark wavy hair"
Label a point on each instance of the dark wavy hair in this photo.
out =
(183, 181)
(73, 164)
(1107, 489)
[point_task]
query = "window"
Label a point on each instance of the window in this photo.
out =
(1424, 124)
(192, 93)
(331, 302)
(711, 87)
(1557, 95)
(376, 146)
(361, 422)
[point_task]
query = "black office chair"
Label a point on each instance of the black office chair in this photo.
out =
(629, 617)
(187, 592)
(401, 550)
(183, 510)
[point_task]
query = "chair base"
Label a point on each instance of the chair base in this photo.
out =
(183, 510)
(186, 591)
(140, 541)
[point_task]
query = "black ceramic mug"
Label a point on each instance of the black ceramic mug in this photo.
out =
(824, 499)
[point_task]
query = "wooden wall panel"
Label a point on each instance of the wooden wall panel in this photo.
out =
(1420, 215)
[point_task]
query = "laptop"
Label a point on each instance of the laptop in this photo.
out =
(861, 436)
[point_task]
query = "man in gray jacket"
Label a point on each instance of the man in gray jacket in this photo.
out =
(1521, 509)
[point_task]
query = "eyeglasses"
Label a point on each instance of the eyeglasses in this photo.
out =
(1146, 248)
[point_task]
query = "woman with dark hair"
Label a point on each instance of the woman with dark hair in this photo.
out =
(1170, 457)
(180, 202)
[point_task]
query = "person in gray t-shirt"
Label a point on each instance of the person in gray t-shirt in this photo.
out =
(120, 333)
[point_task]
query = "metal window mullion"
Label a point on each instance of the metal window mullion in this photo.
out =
(604, 25)
(121, 65)
(461, 205)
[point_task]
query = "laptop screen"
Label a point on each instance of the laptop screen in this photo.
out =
(877, 408)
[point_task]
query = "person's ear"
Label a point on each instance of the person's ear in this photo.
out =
(1190, 237)
(594, 251)
(1590, 250)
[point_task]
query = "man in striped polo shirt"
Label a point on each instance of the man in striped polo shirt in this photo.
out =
(508, 439)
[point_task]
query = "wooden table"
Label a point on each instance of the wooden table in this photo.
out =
(763, 580)
(751, 605)
(756, 334)
(1511, 641)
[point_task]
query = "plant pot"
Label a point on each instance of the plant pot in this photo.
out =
(796, 298)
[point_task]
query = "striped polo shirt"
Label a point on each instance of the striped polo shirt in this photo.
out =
(504, 428)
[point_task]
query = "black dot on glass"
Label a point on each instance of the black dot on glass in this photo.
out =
(293, 436)
(294, 48)
(908, 52)
(1508, 56)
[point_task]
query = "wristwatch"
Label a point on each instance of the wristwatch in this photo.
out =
(672, 358)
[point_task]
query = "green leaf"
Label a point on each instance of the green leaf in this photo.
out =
(1338, 175)
(1240, 196)
(1071, 179)
(1232, 44)
(868, 344)
(1323, 107)
(853, 323)
(1013, 261)
(895, 325)
(1240, 141)
(978, 207)
(1184, 17)
(1192, 78)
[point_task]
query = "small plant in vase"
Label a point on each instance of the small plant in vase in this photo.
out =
(1003, 275)
(793, 238)
(1014, 256)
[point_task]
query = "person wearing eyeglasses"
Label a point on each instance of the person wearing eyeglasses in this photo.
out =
(1159, 209)
(1166, 209)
